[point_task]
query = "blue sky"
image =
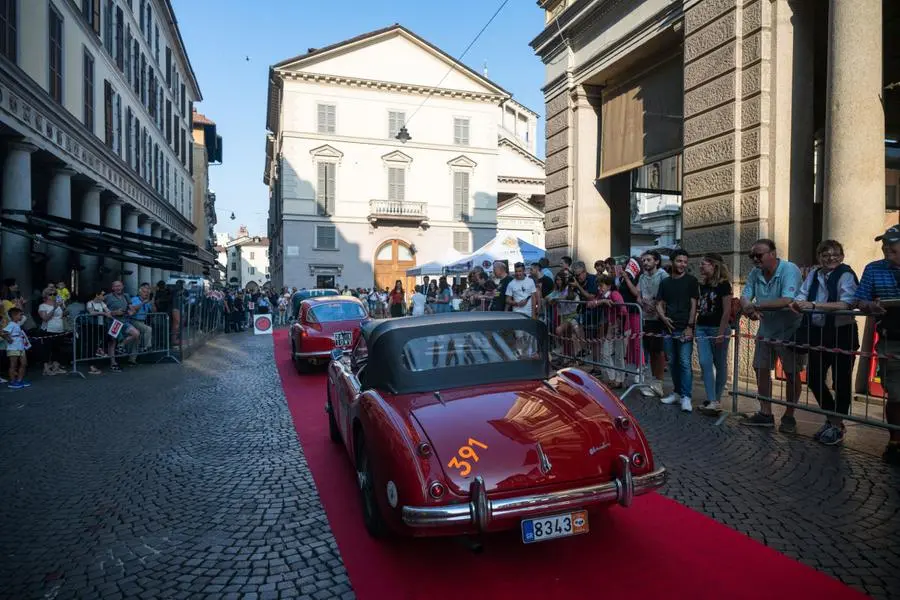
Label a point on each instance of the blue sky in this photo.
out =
(219, 34)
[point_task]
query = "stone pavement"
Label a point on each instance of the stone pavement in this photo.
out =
(188, 482)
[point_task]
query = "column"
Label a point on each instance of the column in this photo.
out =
(166, 274)
(130, 269)
(156, 273)
(112, 263)
(145, 275)
(590, 214)
(15, 250)
(854, 130)
(59, 204)
(89, 280)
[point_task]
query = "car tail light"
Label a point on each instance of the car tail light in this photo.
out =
(637, 459)
(436, 490)
(424, 449)
(623, 423)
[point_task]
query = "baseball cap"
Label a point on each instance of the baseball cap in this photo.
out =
(891, 236)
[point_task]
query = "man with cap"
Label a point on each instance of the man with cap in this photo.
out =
(879, 294)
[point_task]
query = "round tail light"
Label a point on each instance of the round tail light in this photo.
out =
(638, 460)
(436, 490)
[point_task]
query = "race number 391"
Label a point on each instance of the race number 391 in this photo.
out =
(466, 453)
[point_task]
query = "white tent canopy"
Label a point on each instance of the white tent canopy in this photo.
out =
(435, 267)
(503, 247)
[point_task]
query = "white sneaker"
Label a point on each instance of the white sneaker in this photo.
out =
(671, 399)
(686, 404)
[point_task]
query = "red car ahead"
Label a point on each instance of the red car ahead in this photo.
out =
(325, 323)
(455, 427)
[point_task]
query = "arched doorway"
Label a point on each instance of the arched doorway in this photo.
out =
(392, 259)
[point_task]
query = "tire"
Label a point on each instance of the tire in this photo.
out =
(333, 432)
(372, 518)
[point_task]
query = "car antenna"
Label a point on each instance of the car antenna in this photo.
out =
(437, 395)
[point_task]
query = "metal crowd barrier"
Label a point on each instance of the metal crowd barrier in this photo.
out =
(196, 319)
(832, 368)
(92, 339)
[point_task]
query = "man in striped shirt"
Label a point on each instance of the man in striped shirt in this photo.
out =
(879, 294)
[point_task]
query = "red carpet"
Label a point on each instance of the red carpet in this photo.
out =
(655, 549)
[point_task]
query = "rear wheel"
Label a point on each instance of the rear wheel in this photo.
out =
(372, 518)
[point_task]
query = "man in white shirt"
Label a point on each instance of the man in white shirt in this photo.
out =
(418, 302)
(521, 293)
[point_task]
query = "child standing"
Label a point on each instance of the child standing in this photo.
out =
(17, 344)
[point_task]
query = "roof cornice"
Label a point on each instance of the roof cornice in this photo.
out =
(520, 180)
(505, 141)
(390, 86)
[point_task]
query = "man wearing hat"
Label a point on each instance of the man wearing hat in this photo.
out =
(879, 294)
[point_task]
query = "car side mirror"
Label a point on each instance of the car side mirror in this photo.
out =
(337, 354)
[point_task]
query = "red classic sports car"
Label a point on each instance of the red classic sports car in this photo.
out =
(323, 324)
(455, 427)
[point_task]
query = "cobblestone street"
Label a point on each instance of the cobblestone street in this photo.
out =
(188, 481)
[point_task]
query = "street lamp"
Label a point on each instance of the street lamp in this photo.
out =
(403, 135)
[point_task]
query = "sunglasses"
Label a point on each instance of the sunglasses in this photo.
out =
(757, 255)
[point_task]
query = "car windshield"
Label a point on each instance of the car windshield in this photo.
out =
(336, 311)
(469, 348)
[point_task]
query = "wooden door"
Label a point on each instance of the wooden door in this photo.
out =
(392, 259)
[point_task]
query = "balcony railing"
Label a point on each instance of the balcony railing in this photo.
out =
(397, 210)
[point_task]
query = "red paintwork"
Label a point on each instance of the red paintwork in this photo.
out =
(574, 422)
(307, 336)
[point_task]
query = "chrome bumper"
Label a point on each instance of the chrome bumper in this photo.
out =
(317, 354)
(481, 511)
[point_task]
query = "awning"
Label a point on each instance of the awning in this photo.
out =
(97, 240)
(642, 119)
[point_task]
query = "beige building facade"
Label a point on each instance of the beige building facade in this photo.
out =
(781, 115)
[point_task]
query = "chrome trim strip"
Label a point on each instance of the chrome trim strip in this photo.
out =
(318, 354)
(619, 490)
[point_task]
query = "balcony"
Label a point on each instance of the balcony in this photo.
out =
(397, 210)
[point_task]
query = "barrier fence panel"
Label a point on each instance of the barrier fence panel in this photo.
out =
(97, 338)
(196, 319)
(830, 363)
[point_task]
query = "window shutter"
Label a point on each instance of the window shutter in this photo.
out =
(396, 184)
(322, 189)
(461, 241)
(461, 196)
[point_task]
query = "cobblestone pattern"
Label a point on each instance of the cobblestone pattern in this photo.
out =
(197, 487)
(164, 481)
(835, 509)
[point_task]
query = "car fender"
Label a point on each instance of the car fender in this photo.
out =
(589, 386)
(391, 441)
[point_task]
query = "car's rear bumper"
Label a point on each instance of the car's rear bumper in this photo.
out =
(314, 354)
(481, 511)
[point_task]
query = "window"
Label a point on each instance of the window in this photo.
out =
(461, 132)
(108, 26)
(168, 66)
(461, 241)
(90, 10)
(396, 184)
(142, 18)
(149, 22)
(156, 46)
(325, 188)
(395, 122)
(56, 54)
(117, 124)
(128, 135)
(9, 29)
(460, 196)
(108, 113)
(184, 114)
(326, 237)
(137, 145)
(143, 78)
(252, 255)
(234, 266)
(251, 270)
(120, 39)
(325, 119)
(87, 91)
(891, 202)
(127, 51)
(169, 122)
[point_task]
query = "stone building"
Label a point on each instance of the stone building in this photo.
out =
(207, 152)
(95, 119)
(783, 116)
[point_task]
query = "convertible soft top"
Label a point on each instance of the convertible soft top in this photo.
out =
(443, 351)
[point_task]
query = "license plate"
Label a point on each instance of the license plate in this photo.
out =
(554, 526)
(343, 338)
